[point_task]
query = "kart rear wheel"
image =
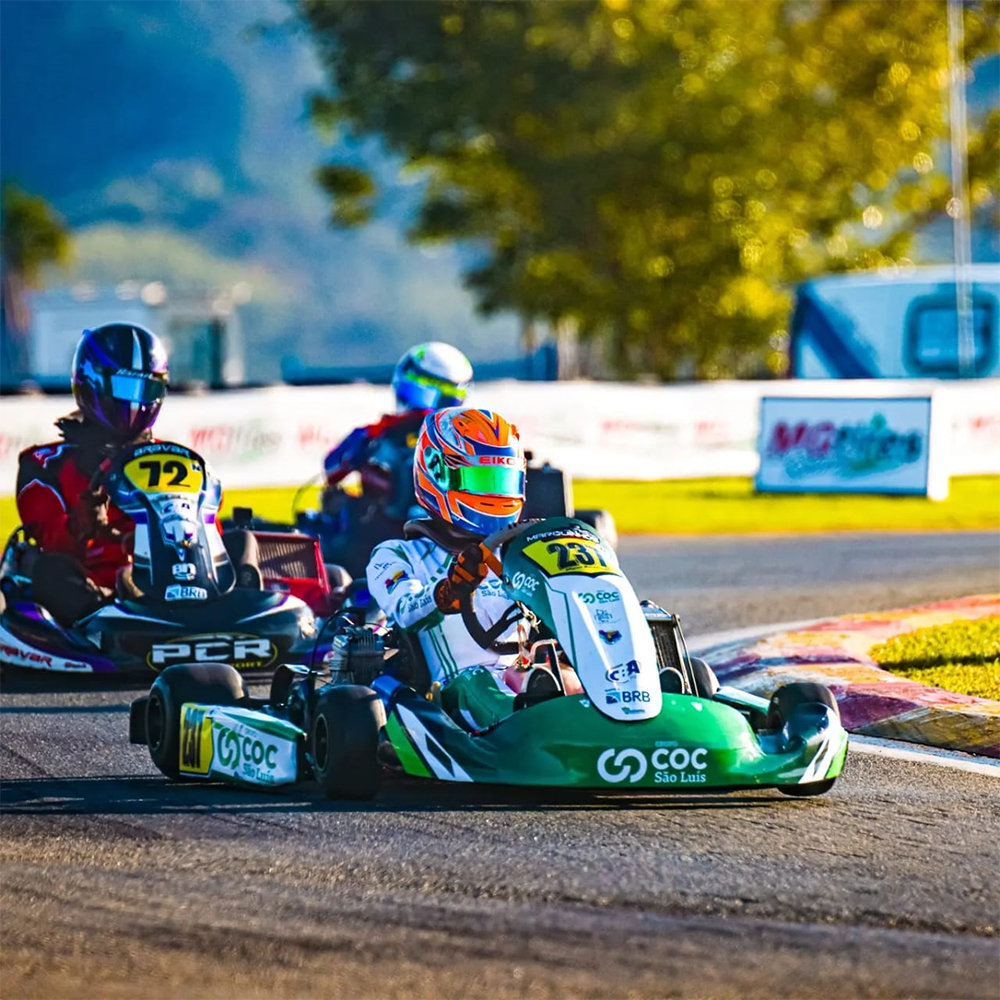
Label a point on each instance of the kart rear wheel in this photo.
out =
(343, 741)
(784, 701)
(705, 681)
(210, 684)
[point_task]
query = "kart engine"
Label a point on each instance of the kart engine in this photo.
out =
(357, 655)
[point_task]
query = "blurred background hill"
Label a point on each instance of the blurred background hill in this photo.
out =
(173, 139)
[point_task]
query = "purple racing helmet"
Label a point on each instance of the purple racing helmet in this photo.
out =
(120, 378)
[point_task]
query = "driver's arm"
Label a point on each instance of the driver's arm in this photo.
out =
(398, 589)
(43, 513)
(347, 457)
(41, 505)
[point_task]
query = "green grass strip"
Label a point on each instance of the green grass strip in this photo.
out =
(730, 505)
(963, 656)
(713, 506)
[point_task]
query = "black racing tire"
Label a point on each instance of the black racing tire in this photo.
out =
(705, 682)
(603, 522)
(343, 741)
(210, 684)
(783, 702)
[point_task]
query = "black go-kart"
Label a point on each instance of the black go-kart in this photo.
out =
(180, 603)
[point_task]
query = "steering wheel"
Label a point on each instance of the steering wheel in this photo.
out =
(487, 637)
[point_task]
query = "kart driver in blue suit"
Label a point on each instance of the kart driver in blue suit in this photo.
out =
(427, 377)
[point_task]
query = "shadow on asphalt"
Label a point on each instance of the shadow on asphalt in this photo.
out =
(60, 709)
(17, 681)
(142, 795)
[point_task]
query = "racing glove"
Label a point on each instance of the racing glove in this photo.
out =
(467, 571)
(88, 517)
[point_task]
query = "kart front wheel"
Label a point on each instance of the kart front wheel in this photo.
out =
(784, 702)
(208, 684)
(343, 741)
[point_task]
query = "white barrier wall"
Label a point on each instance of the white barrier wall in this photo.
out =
(278, 436)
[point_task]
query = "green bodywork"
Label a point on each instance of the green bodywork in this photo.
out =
(566, 742)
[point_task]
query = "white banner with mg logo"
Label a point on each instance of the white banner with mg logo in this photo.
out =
(888, 445)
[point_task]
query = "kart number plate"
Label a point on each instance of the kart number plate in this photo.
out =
(571, 556)
(195, 741)
(166, 474)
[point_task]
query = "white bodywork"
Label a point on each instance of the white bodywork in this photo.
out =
(600, 624)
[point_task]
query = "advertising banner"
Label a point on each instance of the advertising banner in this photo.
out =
(827, 445)
(278, 435)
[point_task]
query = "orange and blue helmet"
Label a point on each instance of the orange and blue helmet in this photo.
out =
(469, 469)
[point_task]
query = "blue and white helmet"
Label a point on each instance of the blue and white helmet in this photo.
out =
(431, 376)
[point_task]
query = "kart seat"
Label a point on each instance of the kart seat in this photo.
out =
(448, 536)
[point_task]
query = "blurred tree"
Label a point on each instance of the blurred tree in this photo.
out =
(655, 174)
(31, 235)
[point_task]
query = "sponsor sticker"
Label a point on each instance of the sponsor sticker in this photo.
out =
(612, 696)
(577, 531)
(184, 571)
(602, 617)
(178, 592)
(599, 596)
(48, 454)
(253, 756)
(677, 766)
(610, 637)
(621, 672)
(391, 582)
(24, 656)
(524, 581)
(244, 652)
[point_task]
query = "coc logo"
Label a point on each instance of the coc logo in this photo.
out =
(616, 766)
(522, 581)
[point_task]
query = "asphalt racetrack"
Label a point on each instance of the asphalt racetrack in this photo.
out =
(115, 883)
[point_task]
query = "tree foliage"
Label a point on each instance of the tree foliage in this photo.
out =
(31, 234)
(655, 174)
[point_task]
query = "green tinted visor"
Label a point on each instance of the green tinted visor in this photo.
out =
(500, 480)
(424, 392)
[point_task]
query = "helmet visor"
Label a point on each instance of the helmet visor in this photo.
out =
(419, 391)
(134, 388)
(495, 480)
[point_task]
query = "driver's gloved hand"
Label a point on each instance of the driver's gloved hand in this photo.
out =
(467, 571)
(88, 516)
(106, 536)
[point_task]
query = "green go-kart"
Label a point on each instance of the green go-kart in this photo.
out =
(649, 716)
